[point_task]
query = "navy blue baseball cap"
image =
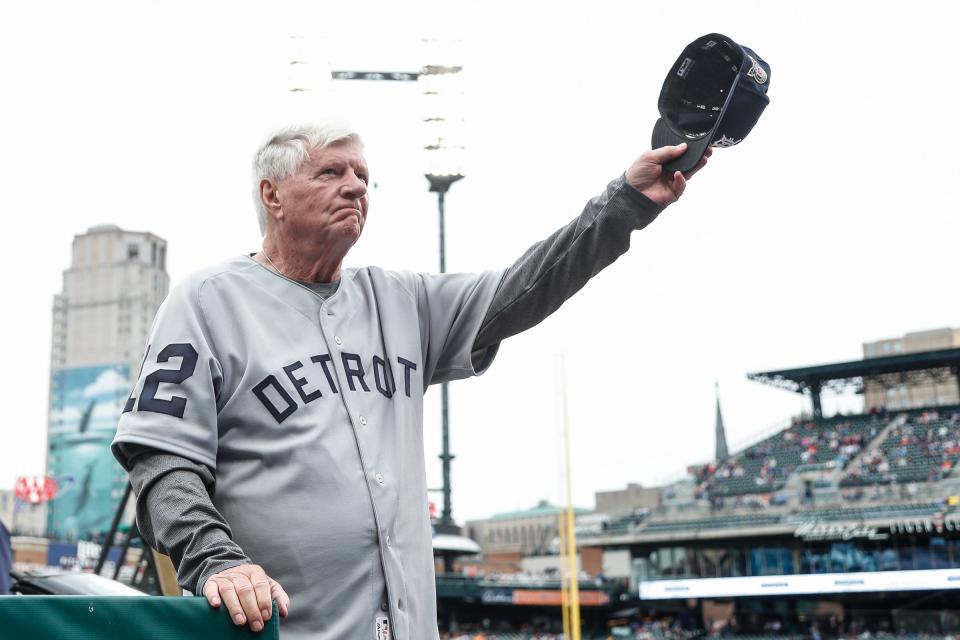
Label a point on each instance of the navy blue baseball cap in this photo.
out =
(713, 95)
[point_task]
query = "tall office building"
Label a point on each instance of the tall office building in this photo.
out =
(116, 281)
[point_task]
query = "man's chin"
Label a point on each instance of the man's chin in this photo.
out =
(343, 234)
(350, 230)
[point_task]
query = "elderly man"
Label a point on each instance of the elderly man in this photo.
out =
(274, 437)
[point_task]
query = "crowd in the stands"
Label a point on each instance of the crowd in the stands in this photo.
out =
(766, 465)
(924, 448)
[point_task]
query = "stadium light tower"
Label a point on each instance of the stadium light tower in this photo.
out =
(445, 149)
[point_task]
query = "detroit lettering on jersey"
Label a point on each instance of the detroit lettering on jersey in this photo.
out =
(270, 391)
(281, 404)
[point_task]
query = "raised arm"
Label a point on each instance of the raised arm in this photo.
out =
(554, 269)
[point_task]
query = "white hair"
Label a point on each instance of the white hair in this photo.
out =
(286, 150)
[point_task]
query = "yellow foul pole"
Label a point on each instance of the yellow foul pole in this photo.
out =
(569, 539)
(564, 582)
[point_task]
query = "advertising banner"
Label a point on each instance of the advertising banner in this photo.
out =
(79, 555)
(805, 584)
(85, 404)
(554, 598)
(541, 597)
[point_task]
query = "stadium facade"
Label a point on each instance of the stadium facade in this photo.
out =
(111, 291)
(508, 538)
(849, 522)
(939, 387)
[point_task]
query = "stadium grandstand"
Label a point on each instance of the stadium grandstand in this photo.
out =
(839, 525)
(843, 525)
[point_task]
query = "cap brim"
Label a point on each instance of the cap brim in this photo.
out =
(664, 136)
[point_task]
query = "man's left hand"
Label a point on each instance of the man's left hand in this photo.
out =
(646, 174)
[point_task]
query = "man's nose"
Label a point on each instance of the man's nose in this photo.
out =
(354, 187)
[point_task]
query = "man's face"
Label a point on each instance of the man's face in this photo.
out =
(326, 199)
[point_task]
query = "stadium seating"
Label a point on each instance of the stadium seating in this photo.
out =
(925, 448)
(765, 466)
(623, 525)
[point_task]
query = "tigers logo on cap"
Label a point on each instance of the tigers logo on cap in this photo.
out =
(757, 72)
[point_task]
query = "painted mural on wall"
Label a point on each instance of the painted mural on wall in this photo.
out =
(85, 404)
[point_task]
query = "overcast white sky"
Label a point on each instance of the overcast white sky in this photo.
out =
(834, 223)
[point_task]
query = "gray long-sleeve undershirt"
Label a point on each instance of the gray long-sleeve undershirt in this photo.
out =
(175, 512)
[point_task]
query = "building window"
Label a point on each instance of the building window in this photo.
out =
(133, 252)
(939, 555)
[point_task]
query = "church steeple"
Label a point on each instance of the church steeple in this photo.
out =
(721, 453)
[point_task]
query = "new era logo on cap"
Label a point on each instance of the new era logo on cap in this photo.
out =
(713, 96)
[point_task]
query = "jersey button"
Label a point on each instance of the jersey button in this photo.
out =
(363, 421)
(379, 478)
(337, 340)
(389, 541)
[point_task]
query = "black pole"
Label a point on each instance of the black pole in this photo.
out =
(443, 235)
(105, 549)
(815, 396)
(446, 517)
(131, 534)
(440, 184)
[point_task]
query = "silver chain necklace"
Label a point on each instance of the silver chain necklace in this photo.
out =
(267, 256)
(296, 282)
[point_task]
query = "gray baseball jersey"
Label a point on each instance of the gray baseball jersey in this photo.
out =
(311, 412)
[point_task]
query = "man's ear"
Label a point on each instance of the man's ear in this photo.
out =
(270, 197)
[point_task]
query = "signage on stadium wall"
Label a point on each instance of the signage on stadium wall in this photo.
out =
(497, 596)
(552, 598)
(80, 556)
(35, 489)
(817, 531)
(540, 597)
(936, 524)
(808, 584)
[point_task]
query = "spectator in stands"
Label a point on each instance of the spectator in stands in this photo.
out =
(815, 632)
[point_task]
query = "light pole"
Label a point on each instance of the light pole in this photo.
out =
(440, 184)
(443, 124)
